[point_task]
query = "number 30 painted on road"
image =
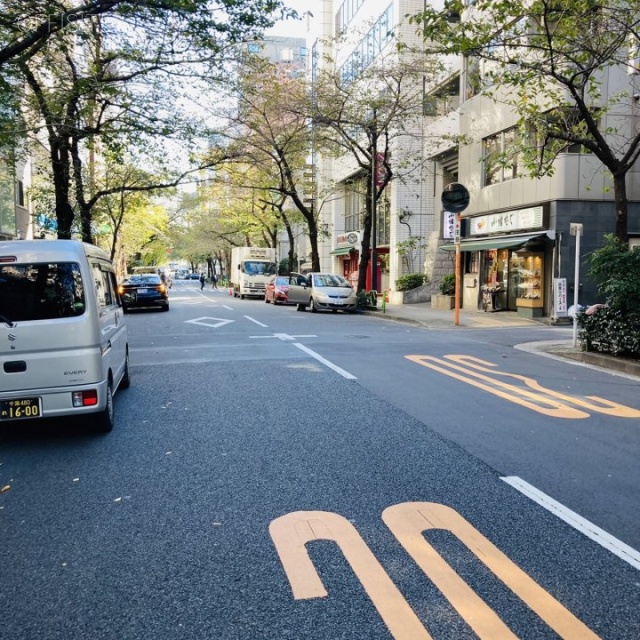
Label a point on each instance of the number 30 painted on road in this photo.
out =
(290, 534)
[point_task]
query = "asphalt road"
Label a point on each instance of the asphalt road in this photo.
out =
(284, 475)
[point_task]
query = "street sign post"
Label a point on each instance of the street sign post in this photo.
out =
(575, 229)
(455, 199)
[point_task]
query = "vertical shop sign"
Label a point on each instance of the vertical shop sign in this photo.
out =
(448, 225)
(560, 296)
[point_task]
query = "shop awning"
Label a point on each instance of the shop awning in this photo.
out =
(498, 242)
(342, 251)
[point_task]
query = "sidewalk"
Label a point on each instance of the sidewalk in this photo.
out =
(421, 314)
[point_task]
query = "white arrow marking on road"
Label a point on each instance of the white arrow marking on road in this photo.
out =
(220, 322)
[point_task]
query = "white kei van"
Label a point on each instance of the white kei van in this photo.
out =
(63, 337)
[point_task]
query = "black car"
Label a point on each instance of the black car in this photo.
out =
(144, 291)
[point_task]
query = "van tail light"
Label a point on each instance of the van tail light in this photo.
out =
(85, 398)
(120, 290)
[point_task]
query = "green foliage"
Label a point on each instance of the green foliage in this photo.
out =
(410, 281)
(543, 60)
(448, 285)
(615, 327)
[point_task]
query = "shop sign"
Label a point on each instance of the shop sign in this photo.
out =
(350, 238)
(560, 296)
(448, 225)
(517, 220)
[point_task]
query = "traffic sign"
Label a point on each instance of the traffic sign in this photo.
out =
(455, 197)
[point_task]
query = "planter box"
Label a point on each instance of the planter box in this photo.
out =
(442, 301)
(413, 296)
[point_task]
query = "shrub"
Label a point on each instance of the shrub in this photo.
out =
(615, 327)
(448, 284)
(410, 281)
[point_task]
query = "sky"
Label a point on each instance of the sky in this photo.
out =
(295, 28)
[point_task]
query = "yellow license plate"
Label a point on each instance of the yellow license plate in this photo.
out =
(20, 408)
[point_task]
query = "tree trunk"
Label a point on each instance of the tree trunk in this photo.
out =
(365, 256)
(313, 240)
(291, 257)
(84, 208)
(622, 216)
(60, 168)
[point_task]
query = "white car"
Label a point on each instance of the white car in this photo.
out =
(322, 291)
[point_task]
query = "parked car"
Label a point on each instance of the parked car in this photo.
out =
(144, 291)
(320, 291)
(277, 290)
(193, 276)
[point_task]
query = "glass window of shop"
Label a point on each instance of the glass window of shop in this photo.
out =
(495, 278)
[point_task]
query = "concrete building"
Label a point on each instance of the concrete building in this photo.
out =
(16, 221)
(517, 249)
(353, 35)
(518, 253)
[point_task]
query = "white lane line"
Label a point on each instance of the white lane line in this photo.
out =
(256, 321)
(283, 336)
(319, 358)
(615, 546)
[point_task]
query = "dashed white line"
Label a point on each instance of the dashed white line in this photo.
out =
(256, 321)
(324, 361)
(615, 546)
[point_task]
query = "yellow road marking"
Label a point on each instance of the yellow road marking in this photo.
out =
(559, 410)
(474, 368)
(607, 407)
(290, 533)
(408, 521)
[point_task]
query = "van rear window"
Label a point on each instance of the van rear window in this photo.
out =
(41, 291)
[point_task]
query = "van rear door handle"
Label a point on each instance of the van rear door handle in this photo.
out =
(15, 366)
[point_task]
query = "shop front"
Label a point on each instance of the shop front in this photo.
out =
(347, 256)
(508, 271)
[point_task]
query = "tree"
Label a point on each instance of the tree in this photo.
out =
(27, 25)
(269, 135)
(105, 84)
(554, 63)
(372, 118)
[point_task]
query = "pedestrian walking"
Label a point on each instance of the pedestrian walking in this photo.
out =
(202, 281)
(214, 281)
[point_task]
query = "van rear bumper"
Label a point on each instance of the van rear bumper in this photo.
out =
(57, 402)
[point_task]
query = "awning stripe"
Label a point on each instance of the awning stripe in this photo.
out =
(499, 242)
(342, 251)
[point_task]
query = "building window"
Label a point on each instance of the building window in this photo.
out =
(378, 37)
(353, 206)
(443, 100)
(20, 199)
(346, 13)
(500, 157)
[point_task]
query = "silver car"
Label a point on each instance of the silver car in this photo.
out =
(320, 291)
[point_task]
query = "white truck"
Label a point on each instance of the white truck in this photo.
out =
(251, 269)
